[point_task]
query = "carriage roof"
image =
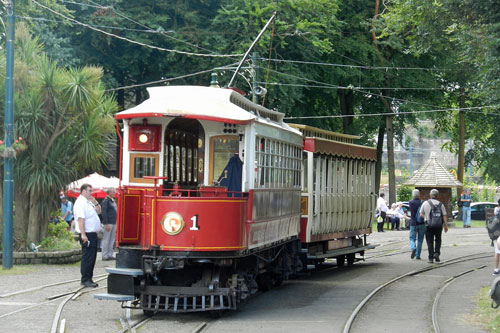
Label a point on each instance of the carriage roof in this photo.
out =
(203, 103)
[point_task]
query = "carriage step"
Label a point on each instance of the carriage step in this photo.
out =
(114, 297)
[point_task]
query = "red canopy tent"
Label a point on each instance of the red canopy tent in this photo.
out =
(100, 185)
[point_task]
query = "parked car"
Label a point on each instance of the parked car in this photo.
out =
(477, 210)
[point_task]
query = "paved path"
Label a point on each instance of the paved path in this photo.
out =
(320, 302)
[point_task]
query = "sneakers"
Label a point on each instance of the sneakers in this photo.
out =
(107, 259)
(430, 261)
(418, 258)
(89, 284)
(413, 252)
(496, 273)
(436, 257)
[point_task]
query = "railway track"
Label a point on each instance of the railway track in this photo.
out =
(435, 304)
(357, 310)
(57, 323)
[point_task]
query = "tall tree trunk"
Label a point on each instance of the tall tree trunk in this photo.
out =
(21, 217)
(390, 150)
(461, 140)
(347, 108)
(380, 151)
(390, 160)
(34, 222)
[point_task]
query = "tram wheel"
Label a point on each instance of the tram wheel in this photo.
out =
(340, 260)
(350, 259)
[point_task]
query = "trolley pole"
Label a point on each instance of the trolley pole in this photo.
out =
(8, 177)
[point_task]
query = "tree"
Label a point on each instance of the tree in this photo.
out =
(470, 29)
(64, 116)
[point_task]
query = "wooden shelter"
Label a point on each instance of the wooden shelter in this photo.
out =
(433, 175)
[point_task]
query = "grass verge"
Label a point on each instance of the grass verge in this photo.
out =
(17, 269)
(485, 314)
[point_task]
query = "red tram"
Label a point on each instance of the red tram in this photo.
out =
(219, 197)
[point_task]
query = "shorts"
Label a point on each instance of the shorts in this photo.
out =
(497, 251)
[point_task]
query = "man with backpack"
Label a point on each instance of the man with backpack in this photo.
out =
(435, 217)
(417, 226)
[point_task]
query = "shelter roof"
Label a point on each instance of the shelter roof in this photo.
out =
(433, 174)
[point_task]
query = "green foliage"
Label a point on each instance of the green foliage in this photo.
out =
(487, 192)
(59, 238)
(404, 193)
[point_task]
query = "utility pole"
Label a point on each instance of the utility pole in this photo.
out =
(411, 158)
(8, 177)
(255, 77)
(461, 140)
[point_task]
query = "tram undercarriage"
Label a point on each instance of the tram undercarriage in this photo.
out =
(188, 284)
(181, 283)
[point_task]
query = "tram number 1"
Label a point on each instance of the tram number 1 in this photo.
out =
(195, 223)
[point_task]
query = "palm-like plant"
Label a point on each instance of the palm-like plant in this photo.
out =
(64, 116)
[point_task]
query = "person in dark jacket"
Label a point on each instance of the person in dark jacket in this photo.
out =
(417, 229)
(108, 214)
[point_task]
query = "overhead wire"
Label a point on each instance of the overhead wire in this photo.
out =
(145, 26)
(169, 79)
(468, 109)
(92, 25)
(352, 88)
(354, 66)
(348, 87)
(134, 41)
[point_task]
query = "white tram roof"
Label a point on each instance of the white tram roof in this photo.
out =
(203, 103)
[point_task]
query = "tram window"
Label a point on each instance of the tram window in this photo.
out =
(278, 164)
(222, 148)
(143, 165)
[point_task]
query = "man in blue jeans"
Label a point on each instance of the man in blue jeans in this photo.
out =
(417, 226)
(466, 201)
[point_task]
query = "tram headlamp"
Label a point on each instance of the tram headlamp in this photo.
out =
(172, 223)
(143, 138)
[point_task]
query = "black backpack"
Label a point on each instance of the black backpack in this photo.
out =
(436, 215)
(493, 227)
(495, 293)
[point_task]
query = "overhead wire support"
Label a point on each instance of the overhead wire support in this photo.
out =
(9, 153)
(250, 49)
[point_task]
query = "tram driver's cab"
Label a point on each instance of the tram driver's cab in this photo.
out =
(182, 161)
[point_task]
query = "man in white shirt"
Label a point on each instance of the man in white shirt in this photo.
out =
(88, 224)
(382, 211)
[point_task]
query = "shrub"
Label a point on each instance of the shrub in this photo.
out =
(404, 193)
(59, 238)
